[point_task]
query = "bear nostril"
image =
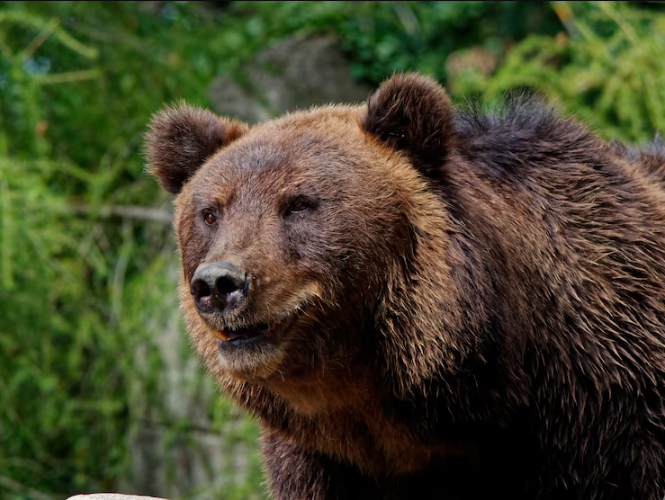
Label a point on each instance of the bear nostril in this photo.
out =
(199, 288)
(227, 284)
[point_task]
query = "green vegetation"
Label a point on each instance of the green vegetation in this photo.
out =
(86, 258)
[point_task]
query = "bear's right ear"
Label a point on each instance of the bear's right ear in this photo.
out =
(181, 138)
(413, 114)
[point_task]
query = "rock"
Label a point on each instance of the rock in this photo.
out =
(295, 73)
(111, 496)
(176, 451)
(230, 99)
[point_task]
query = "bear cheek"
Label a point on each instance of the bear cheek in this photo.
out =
(312, 248)
(194, 244)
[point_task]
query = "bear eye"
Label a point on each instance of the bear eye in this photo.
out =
(209, 217)
(298, 205)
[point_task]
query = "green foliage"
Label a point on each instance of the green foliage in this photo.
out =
(52, 411)
(401, 36)
(86, 260)
(608, 69)
(82, 290)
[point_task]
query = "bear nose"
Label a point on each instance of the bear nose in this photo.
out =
(219, 287)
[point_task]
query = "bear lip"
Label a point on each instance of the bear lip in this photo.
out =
(232, 333)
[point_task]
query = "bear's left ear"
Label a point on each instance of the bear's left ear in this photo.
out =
(181, 138)
(412, 113)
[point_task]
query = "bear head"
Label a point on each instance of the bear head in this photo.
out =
(295, 233)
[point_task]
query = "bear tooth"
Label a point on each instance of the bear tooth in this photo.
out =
(221, 335)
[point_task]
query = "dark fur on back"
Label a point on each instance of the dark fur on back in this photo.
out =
(521, 131)
(583, 295)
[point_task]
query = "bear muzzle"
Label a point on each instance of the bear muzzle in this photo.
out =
(220, 287)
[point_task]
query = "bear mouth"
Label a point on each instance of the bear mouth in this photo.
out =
(246, 334)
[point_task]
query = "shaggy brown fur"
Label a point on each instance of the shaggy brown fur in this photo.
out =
(462, 305)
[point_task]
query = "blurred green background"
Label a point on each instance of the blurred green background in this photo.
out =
(99, 389)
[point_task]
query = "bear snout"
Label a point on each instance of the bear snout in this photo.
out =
(219, 287)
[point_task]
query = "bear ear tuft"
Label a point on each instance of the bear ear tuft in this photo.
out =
(181, 138)
(412, 113)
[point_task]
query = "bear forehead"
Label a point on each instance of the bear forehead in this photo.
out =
(306, 133)
(308, 146)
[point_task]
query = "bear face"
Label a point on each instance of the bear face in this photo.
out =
(288, 205)
(310, 211)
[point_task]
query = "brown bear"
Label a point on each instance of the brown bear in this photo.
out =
(416, 301)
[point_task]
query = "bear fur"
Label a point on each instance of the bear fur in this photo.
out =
(439, 303)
